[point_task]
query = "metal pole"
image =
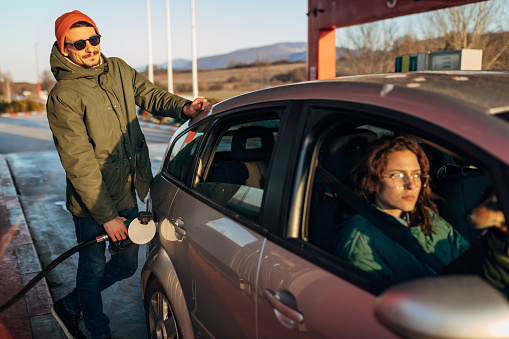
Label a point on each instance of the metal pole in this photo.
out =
(37, 70)
(170, 64)
(150, 65)
(195, 64)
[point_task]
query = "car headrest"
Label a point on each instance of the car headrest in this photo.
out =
(342, 151)
(243, 149)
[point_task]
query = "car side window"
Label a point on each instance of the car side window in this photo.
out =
(182, 152)
(459, 184)
(238, 170)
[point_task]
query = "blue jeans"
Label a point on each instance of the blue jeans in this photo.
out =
(95, 274)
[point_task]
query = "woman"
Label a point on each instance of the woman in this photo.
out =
(393, 177)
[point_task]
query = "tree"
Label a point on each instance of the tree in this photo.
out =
(373, 47)
(470, 26)
(5, 88)
(47, 80)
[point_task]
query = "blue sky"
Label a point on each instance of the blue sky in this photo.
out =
(222, 26)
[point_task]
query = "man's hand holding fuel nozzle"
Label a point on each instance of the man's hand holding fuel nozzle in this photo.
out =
(116, 229)
(197, 106)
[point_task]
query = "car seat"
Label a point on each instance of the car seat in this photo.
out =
(459, 192)
(250, 158)
(458, 187)
(339, 153)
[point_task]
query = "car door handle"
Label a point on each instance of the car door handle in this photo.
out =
(179, 227)
(284, 302)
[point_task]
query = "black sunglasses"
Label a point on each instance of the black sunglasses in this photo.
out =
(81, 44)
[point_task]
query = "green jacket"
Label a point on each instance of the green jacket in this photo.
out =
(92, 114)
(367, 247)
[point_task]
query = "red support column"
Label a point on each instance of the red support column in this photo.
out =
(321, 53)
(327, 53)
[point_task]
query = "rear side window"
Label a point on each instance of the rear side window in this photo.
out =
(239, 169)
(183, 151)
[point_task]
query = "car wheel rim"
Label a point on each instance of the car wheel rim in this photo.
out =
(161, 321)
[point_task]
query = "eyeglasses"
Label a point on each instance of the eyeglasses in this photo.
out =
(81, 44)
(400, 180)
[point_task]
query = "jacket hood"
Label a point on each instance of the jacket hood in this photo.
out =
(64, 69)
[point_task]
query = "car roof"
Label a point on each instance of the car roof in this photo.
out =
(487, 91)
(462, 102)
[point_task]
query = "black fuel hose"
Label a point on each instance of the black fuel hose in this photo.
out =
(48, 268)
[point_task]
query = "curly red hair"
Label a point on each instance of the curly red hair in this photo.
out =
(367, 177)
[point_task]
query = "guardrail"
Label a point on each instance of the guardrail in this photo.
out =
(17, 114)
(164, 127)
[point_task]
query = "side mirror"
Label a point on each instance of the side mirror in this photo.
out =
(455, 306)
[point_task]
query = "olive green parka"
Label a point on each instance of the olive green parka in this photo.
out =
(92, 114)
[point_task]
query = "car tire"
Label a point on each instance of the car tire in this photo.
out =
(159, 315)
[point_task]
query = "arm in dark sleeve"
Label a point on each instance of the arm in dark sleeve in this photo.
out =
(156, 100)
(488, 257)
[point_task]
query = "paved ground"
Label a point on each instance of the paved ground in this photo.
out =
(22, 252)
(19, 264)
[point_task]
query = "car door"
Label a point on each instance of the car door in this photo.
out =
(216, 262)
(301, 300)
(301, 290)
(211, 230)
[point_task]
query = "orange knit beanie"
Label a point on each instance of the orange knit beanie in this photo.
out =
(65, 21)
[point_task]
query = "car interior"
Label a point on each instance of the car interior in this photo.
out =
(457, 184)
(238, 171)
(237, 174)
(248, 158)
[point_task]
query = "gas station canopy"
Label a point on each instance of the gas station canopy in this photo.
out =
(324, 16)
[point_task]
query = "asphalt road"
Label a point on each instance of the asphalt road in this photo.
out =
(31, 133)
(40, 181)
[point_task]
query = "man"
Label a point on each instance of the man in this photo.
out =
(92, 114)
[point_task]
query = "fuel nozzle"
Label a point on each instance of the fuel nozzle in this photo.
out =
(141, 230)
(117, 246)
(145, 217)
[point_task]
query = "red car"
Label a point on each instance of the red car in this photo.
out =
(245, 233)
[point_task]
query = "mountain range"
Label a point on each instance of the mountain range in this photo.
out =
(292, 51)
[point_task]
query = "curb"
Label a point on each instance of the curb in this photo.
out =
(19, 263)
